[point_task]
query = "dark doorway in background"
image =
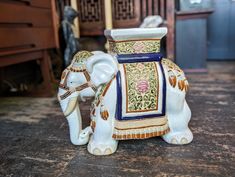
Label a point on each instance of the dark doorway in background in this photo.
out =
(221, 31)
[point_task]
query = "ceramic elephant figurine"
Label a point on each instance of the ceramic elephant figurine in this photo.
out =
(138, 94)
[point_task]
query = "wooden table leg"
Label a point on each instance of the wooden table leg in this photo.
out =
(45, 69)
(170, 38)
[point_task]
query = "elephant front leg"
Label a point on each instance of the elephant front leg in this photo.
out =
(101, 142)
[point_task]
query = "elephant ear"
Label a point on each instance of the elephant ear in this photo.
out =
(102, 67)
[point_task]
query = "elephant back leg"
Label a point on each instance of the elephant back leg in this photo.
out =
(177, 109)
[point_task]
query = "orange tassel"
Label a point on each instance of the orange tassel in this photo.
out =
(104, 112)
(181, 85)
(93, 124)
(172, 80)
(93, 112)
(186, 86)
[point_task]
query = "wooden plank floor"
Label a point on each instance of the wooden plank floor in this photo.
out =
(34, 138)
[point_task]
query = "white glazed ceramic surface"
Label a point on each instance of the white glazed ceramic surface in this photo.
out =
(98, 70)
(135, 33)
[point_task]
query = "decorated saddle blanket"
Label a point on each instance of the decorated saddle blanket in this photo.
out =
(141, 102)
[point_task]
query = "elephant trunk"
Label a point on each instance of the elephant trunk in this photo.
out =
(73, 115)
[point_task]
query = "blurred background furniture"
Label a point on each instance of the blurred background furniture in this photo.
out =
(191, 35)
(30, 31)
(126, 14)
(221, 31)
(27, 30)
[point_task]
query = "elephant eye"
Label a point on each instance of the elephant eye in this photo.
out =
(74, 82)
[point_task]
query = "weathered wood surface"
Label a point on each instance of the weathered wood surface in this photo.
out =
(34, 138)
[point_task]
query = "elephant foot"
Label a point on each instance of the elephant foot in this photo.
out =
(102, 149)
(179, 138)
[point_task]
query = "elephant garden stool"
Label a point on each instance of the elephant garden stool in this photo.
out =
(138, 94)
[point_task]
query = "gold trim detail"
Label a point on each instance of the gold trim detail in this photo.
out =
(140, 135)
(175, 75)
(139, 123)
(142, 83)
(79, 61)
(140, 129)
(134, 46)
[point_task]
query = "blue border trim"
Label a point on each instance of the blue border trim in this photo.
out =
(164, 90)
(119, 100)
(119, 97)
(143, 57)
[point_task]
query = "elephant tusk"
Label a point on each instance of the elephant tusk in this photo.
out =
(71, 106)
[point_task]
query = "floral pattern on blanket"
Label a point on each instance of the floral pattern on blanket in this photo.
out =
(142, 87)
